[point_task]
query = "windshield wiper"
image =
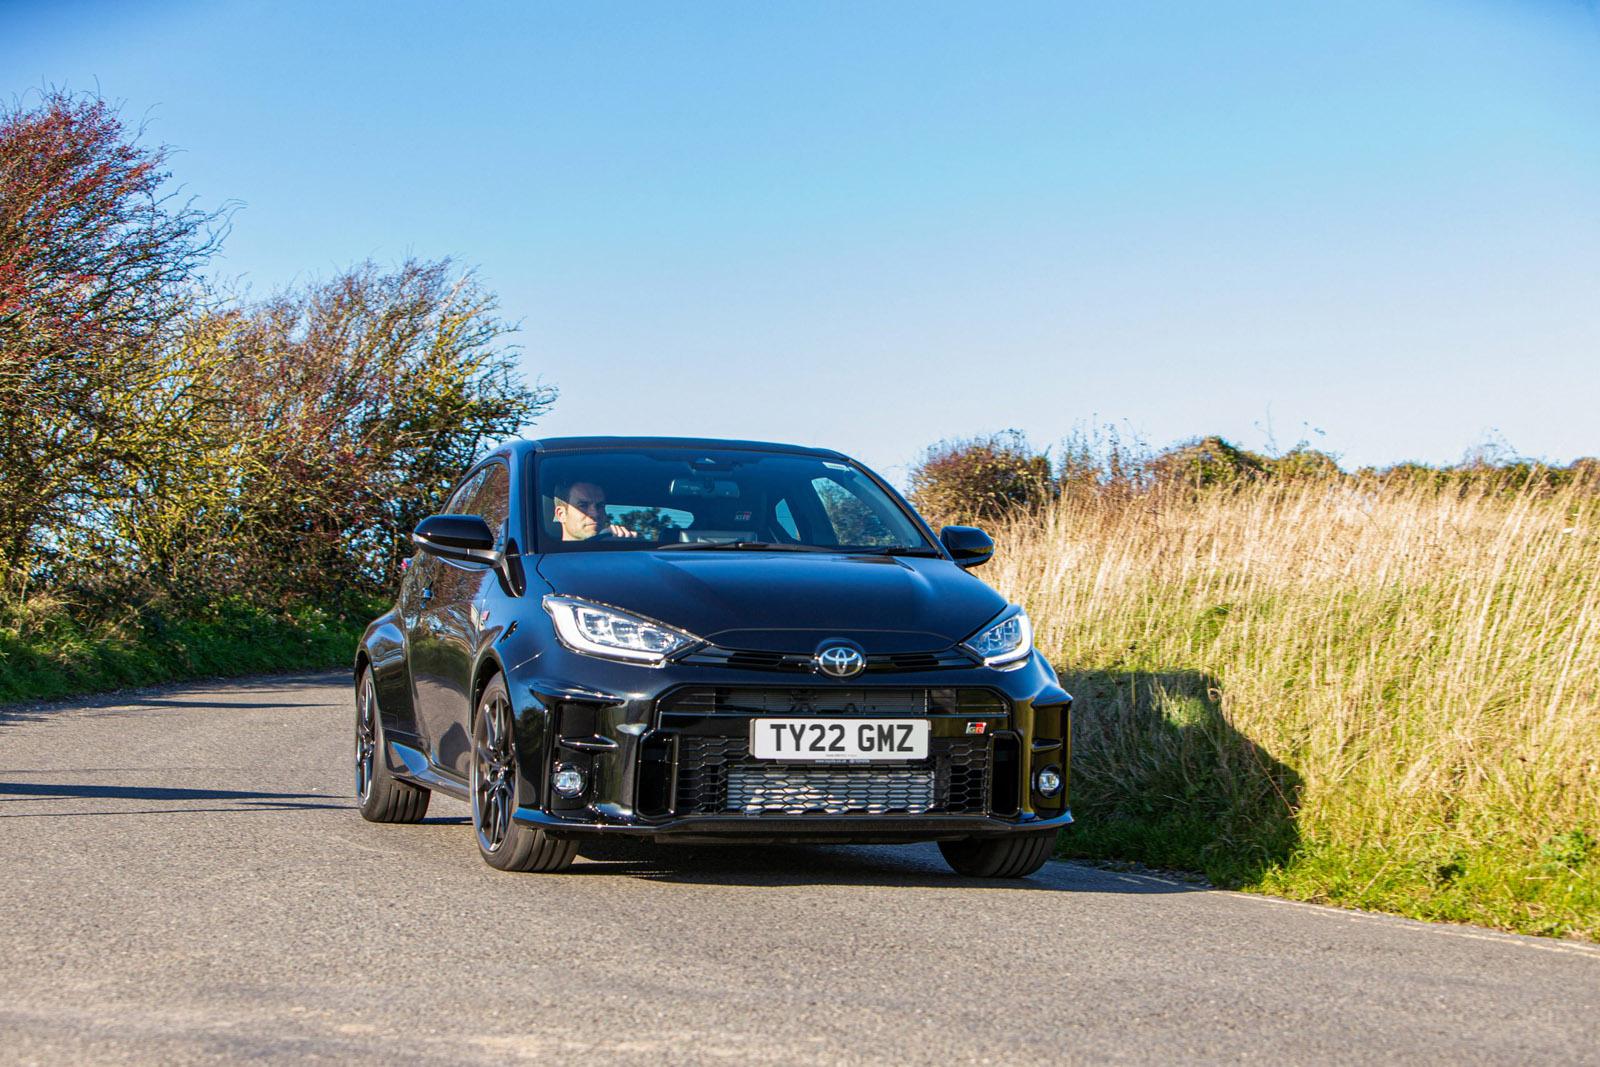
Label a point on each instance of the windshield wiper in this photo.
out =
(899, 550)
(752, 546)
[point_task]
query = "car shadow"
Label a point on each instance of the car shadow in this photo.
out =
(85, 791)
(239, 800)
(219, 705)
(898, 866)
(1161, 776)
(247, 807)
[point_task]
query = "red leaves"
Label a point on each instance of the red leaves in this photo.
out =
(91, 253)
(278, 451)
(97, 268)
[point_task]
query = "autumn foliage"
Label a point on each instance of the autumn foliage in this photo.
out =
(163, 440)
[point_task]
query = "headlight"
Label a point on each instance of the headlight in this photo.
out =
(602, 631)
(1006, 641)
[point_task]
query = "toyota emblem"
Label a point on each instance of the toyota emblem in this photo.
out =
(840, 661)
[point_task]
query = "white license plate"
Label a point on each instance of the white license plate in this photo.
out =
(809, 740)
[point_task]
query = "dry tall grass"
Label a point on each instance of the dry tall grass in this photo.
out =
(1384, 697)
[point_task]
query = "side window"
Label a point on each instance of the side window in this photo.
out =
(784, 517)
(853, 520)
(459, 500)
(492, 499)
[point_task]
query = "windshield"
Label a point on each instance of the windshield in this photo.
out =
(683, 500)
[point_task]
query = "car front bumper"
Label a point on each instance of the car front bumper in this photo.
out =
(821, 829)
(663, 753)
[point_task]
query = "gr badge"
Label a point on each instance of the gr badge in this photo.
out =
(977, 727)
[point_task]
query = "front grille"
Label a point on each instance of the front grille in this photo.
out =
(857, 700)
(802, 662)
(754, 790)
(716, 776)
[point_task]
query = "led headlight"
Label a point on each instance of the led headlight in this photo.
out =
(603, 631)
(1006, 641)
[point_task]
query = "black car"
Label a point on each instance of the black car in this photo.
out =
(697, 640)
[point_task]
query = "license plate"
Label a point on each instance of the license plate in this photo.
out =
(817, 740)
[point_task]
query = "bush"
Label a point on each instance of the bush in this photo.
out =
(47, 652)
(1207, 462)
(1305, 464)
(980, 478)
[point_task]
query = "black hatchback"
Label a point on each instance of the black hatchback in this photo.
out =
(697, 640)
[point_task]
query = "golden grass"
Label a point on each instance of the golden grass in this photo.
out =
(1386, 697)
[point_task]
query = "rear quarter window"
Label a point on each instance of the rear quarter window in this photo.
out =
(784, 516)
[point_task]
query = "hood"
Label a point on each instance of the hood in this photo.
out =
(786, 601)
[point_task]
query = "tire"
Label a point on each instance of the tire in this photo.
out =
(504, 843)
(1013, 856)
(381, 796)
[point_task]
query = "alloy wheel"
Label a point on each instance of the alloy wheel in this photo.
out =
(493, 775)
(366, 740)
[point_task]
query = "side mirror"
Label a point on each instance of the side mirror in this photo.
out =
(464, 538)
(967, 545)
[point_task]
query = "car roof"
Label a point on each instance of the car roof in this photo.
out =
(569, 444)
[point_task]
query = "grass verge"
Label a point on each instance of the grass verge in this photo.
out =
(1385, 698)
(50, 654)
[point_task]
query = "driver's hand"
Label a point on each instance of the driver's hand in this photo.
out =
(622, 531)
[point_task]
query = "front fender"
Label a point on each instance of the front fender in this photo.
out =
(535, 702)
(383, 647)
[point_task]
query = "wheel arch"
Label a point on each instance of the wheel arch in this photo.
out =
(488, 667)
(382, 649)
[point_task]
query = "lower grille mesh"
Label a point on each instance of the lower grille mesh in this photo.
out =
(756, 790)
(716, 776)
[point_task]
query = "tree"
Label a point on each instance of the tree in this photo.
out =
(156, 438)
(97, 267)
(326, 423)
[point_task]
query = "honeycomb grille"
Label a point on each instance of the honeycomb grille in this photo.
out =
(824, 791)
(716, 776)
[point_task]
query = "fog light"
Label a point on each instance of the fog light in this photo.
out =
(1047, 782)
(568, 780)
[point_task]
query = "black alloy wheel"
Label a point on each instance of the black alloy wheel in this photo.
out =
(504, 843)
(380, 795)
(494, 762)
(366, 740)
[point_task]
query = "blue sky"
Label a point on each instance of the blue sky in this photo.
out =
(875, 225)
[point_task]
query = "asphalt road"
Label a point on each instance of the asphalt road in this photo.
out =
(185, 880)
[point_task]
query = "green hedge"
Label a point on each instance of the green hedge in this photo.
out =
(53, 655)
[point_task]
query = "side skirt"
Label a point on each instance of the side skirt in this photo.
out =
(412, 765)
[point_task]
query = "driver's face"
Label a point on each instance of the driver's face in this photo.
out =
(582, 513)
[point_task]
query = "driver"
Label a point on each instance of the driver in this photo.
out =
(580, 511)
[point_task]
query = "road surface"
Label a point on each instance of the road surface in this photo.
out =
(186, 880)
